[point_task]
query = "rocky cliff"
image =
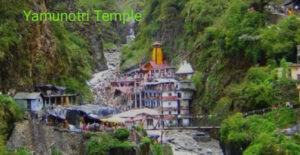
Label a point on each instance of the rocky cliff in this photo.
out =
(40, 139)
(60, 53)
(91, 31)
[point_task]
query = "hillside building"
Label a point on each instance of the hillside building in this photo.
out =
(157, 85)
(29, 101)
(54, 95)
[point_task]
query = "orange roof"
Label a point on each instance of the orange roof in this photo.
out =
(152, 65)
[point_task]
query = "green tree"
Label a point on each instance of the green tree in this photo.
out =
(10, 112)
(99, 146)
(122, 134)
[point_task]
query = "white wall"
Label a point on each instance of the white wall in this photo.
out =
(294, 73)
(169, 104)
(167, 112)
(186, 94)
(184, 112)
(185, 122)
(184, 103)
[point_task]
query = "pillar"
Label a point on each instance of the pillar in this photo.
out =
(135, 101)
(67, 100)
(140, 100)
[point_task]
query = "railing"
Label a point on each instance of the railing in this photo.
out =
(187, 87)
(161, 88)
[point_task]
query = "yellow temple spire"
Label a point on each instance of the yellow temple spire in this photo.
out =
(157, 54)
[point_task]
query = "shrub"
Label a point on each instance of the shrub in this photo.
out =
(145, 140)
(122, 134)
(103, 144)
(139, 128)
(10, 112)
(99, 145)
(157, 149)
(116, 143)
(260, 132)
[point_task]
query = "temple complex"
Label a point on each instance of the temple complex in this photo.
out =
(157, 85)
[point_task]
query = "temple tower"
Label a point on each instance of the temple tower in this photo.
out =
(157, 54)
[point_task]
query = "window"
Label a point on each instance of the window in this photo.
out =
(179, 95)
(149, 122)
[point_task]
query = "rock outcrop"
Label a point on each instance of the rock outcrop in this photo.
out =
(40, 139)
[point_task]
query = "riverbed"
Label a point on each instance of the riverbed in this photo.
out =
(182, 142)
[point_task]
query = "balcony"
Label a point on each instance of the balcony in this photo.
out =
(169, 98)
(186, 87)
(161, 88)
(152, 98)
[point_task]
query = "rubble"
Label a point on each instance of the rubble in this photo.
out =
(100, 79)
(183, 143)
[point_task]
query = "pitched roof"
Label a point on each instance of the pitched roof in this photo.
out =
(157, 43)
(50, 87)
(135, 112)
(122, 117)
(152, 65)
(91, 110)
(24, 95)
(185, 68)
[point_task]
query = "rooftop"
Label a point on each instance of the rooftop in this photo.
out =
(185, 68)
(122, 117)
(24, 95)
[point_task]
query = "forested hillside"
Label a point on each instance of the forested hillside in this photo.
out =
(234, 50)
(65, 54)
(58, 53)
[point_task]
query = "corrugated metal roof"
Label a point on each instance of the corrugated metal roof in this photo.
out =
(24, 95)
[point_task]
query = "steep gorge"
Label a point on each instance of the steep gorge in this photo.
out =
(65, 54)
(223, 40)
